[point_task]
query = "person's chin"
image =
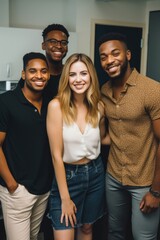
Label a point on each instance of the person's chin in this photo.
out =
(57, 59)
(113, 75)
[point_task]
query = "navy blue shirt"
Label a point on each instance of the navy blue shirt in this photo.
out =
(26, 146)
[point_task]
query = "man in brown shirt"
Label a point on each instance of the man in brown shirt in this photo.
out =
(132, 106)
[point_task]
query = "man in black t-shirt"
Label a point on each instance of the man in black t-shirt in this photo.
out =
(25, 161)
(55, 45)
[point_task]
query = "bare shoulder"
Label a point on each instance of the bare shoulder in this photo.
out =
(54, 104)
(54, 109)
(54, 113)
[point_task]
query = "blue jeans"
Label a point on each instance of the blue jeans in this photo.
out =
(123, 206)
(86, 184)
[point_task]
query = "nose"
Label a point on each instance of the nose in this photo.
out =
(58, 44)
(38, 74)
(78, 78)
(110, 59)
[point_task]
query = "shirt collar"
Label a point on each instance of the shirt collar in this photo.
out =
(20, 95)
(132, 80)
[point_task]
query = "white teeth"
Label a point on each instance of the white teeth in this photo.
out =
(112, 69)
(39, 83)
(58, 53)
(79, 86)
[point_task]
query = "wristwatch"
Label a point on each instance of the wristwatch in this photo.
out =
(156, 194)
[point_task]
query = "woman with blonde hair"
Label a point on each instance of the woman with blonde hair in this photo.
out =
(75, 126)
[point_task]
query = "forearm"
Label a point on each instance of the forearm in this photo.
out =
(61, 179)
(156, 179)
(151, 199)
(68, 207)
(106, 140)
(6, 174)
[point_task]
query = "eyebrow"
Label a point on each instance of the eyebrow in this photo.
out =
(32, 68)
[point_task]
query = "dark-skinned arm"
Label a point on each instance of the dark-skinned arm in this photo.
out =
(4, 169)
(149, 201)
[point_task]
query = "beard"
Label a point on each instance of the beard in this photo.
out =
(55, 62)
(32, 89)
(123, 70)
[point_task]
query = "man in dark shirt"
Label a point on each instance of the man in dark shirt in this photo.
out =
(25, 160)
(55, 45)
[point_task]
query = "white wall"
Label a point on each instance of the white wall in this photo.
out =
(78, 16)
(39, 13)
(18, 42)
(118, 12)
(4, 13)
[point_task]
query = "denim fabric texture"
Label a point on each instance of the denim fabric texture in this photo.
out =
(86, 184)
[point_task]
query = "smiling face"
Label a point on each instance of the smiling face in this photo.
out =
(36, 75)
(58, 52)
(114, 57)
(79, 78)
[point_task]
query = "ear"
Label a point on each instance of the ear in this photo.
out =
(23, 75)
(128, 55)
(43, 46)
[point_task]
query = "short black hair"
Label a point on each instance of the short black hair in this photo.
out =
(33, 55)
(53, 27)
(112, 36)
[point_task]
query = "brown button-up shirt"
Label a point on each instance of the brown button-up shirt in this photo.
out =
(133, 145)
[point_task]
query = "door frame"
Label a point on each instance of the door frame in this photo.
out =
(122, 24)
(152, 70)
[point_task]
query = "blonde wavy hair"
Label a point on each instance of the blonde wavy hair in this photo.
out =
(65, 95)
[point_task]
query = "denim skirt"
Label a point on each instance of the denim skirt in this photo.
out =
(86, 184)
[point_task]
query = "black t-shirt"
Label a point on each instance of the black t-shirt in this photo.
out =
(26, 146)
(51, 89)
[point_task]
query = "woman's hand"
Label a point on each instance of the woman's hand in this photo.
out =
(68, 212)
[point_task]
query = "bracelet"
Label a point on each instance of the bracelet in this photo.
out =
(156, 194)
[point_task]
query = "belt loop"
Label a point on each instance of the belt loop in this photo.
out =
(95, 163)
(76, 170)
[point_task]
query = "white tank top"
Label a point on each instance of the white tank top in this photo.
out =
(78, 145)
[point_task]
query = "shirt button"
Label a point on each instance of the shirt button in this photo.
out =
(35, 110)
